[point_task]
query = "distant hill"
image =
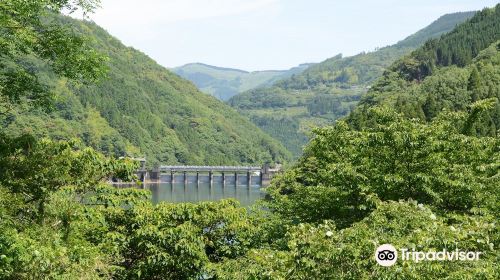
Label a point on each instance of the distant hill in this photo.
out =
(328, 90)
(143, 109)
(224, 83)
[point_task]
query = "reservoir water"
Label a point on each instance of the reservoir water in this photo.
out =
(178, 191)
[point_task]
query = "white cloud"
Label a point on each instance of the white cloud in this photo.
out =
(150, 12)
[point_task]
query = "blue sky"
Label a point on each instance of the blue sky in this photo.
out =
(267, 34)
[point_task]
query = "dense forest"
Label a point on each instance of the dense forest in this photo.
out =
(328, 90)
(449, 73)
(141, 109)
(225, 83)
(380, 176)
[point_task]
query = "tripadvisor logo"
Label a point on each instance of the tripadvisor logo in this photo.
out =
(387, 255)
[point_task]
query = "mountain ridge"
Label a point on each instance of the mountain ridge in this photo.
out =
(456, 72)
(447, 19)
(225, 82)
(213, 67)
(329, 90)
(143, 109)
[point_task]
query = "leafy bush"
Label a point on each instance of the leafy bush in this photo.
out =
(342, 169)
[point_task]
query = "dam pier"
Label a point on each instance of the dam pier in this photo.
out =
(189, 174)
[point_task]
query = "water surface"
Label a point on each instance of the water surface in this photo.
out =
(178, 191)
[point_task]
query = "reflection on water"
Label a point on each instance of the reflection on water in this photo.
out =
(204, 191)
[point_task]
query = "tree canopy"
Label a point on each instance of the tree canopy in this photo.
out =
(425, 183)
(26, 30)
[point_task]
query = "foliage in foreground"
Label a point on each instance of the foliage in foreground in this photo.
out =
(428, 186)
(416, 185)
(26, 32)
(59, 220)
(412, 184)
(324, 252)
(58, 217)
(436, 164)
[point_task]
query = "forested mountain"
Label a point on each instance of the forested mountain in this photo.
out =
(429, 188)
(143, 109)
(449, 73)
(329, 90)
(225, 83)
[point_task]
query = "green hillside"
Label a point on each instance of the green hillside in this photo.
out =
(224, 83)
(397, 197)
(329, 90)
(449, 73)
(142, 109)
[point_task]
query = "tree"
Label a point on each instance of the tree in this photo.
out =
(46, 203)
(416, 185)
(26, 31)
(36, 176)
(35, 169)
(343, 169)
(324, 252)
(474, 84)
